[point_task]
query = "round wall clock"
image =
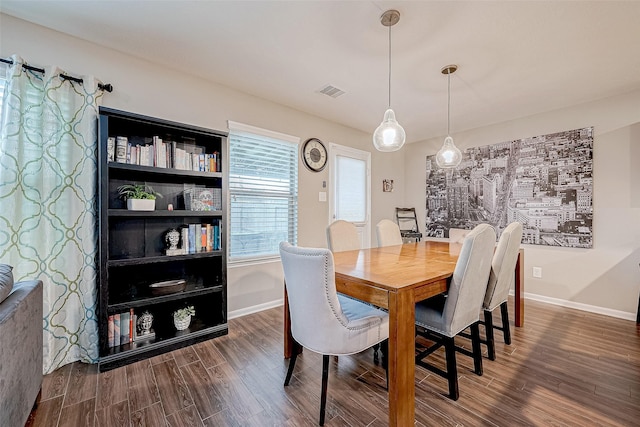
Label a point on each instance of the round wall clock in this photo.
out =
(314, 154)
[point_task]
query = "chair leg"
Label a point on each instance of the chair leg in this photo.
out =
(488, 330)
(452, 368)
(506, 329)
(292, 363)
(384, 349)
(376, 358)
(477, 351)
(323, 394)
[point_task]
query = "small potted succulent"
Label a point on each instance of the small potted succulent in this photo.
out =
(182, 317)
(139, 197)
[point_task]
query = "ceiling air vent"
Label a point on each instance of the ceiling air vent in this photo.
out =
(332, 91)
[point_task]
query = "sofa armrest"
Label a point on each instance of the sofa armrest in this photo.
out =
(21, 348)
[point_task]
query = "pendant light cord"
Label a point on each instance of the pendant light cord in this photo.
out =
(389, 66)
(449, 103)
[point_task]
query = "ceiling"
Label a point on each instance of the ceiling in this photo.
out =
(515, 58)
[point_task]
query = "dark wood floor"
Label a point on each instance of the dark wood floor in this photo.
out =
(564, 368)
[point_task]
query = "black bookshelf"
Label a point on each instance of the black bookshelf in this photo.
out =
(132, 249)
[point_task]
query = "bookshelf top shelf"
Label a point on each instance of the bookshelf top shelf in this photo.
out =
(163, 171)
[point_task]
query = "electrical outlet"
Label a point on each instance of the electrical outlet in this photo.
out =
(537, 272)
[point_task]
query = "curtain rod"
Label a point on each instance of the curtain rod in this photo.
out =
(106, 87)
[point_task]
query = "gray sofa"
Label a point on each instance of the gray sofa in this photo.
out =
(20, 349)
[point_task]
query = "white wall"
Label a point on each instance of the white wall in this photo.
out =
(605, 278)
(146, 88)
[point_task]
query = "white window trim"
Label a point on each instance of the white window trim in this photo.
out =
(242, 128)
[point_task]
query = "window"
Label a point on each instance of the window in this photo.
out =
(263, 190)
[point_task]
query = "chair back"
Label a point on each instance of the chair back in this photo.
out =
(503, 266)
(469, 282)
(457, 235)
(342, 236)
(388, 233)
(317, 320)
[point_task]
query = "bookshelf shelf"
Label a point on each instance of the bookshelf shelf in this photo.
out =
(164, 213)
(163, 171)
(162, 258)
(145, 300)
(133, 244)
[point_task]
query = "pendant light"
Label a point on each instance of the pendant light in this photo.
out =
(389, 136)
(449, 156)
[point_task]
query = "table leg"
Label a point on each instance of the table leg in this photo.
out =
(401, 359)
(519, 290)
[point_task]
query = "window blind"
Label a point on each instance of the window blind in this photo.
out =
(351, 176)
(263, 192)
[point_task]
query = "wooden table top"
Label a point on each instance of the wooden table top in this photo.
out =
(398, 267)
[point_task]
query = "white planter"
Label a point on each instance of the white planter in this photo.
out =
(181, 324)
(141, 204)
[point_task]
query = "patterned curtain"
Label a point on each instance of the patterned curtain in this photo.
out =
(48, 169)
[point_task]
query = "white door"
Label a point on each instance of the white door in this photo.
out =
(350, 189)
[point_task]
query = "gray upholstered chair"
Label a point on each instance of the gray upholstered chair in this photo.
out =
(388, 233)
(342, 236)
(20, 347)
(322, 320)
(457, 235)
(501, 277)
(441, 319)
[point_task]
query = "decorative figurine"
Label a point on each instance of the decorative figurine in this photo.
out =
(171, 240)
(143, 326)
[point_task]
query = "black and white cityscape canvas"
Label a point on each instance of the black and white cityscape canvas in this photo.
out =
(544, 182)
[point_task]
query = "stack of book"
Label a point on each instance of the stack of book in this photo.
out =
(121, 328)
(200, 238)
(161, 154)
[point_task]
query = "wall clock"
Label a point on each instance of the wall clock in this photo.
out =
(314, 154)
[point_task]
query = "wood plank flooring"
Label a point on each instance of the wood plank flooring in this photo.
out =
(564, 368)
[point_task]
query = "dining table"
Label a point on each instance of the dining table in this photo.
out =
(395, 278)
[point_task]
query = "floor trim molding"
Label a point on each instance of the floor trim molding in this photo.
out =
(580, 306)
(255, 308)
(541, 298)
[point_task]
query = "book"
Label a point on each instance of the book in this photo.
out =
(111, 149)
(124, 328)
(132, 324)
(209, 237)
(203, 237)
(197, 236)
(216, 237)
(218, 161)
(192, 238)
(116, 329)
(121, 149)
(184, 231)
(110, 331)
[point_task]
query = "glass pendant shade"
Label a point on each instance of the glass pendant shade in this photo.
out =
(389, 136)
(449, 155)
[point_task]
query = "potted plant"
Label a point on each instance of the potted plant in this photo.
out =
(139, 197)
(182, 317)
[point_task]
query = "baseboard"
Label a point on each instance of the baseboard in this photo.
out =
(255, 308)
(580, 306)
(535, 297)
